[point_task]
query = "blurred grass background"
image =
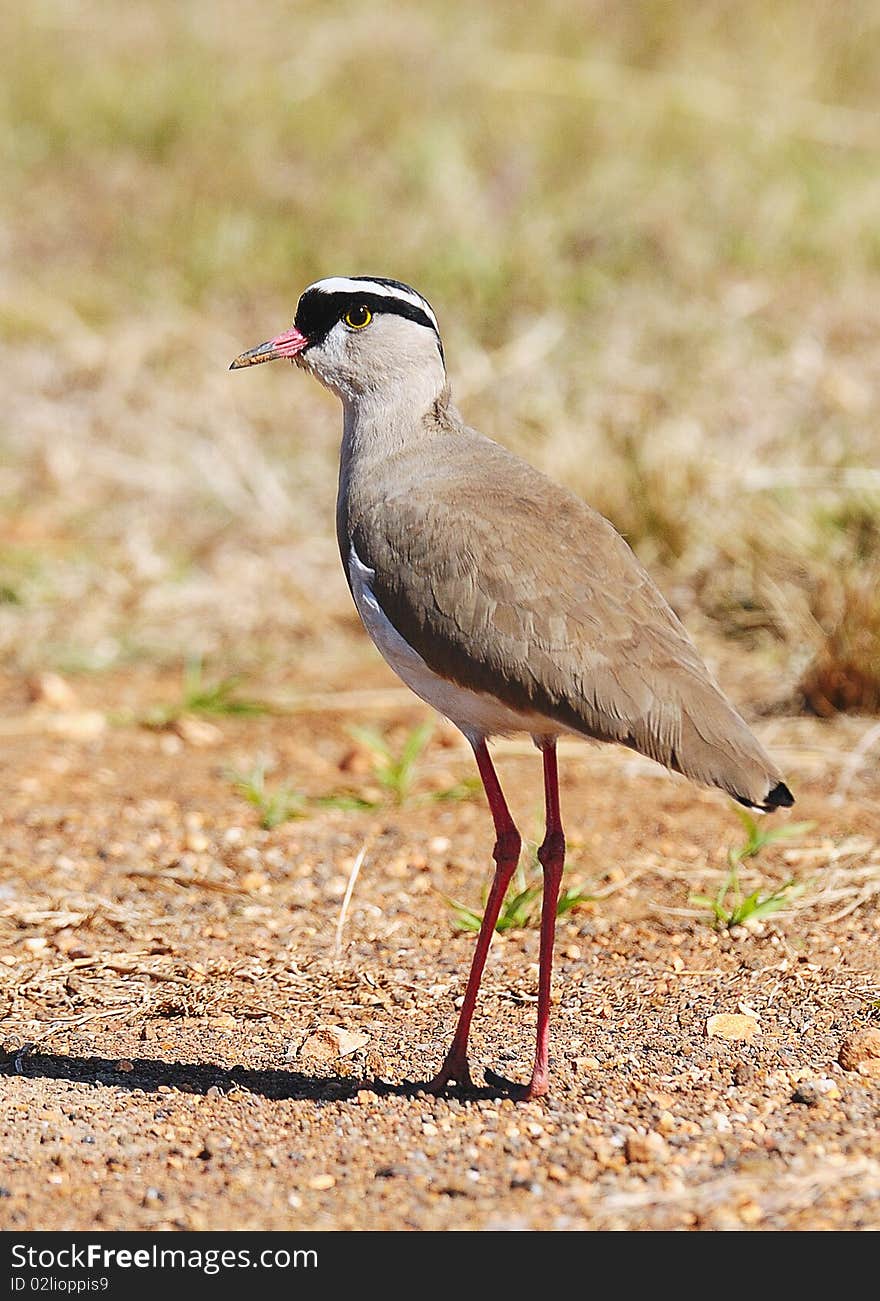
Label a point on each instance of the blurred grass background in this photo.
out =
(650, 233)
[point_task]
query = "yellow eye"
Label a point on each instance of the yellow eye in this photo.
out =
(358, 317)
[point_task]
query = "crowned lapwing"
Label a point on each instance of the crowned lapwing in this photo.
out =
(499, 597)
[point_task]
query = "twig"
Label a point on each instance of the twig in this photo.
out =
(349, 891)
(69, 1023)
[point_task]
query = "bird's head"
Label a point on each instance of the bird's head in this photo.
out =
(359, 336)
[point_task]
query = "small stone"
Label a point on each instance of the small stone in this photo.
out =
(583, 1065)
(733, 1026)
(210, 1146)
(365, 1097)
(327, 1044)
(223, 1021)
(197, 731)
(53, 691)
(811, 1092)
(642, 1149)
(861, 1052)
(81, 725)
(197, 842)
(123, 1065)
(743, 1073)
(36, 944)
(320, 1183)
(806, 1094)
(750, 1213)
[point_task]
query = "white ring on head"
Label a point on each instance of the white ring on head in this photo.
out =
(342, 285)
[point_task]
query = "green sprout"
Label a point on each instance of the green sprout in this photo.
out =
(518, 909)
(200, 697)
(274, 806)
(395, 773)
(731, 907)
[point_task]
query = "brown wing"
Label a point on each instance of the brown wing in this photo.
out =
(507, 583)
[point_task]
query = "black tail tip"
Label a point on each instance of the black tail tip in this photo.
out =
(779, 798)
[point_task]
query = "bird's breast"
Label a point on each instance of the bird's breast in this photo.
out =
(476, 713)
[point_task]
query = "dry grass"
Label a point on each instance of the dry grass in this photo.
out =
(845, 675)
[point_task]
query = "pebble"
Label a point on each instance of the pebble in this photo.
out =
(320, 1183)
(861, 1052)
(732, 1026)
(197, 731)
(52, 690)
(750, 1213)
(223, 1021)
(585, 1064)
(83, 725)
(328, 1043)
(641, 1149)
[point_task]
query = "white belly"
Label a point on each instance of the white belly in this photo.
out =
(476, 714)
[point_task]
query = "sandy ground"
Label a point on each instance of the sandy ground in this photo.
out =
(171, 965)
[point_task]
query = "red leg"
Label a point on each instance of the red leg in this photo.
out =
(506, 855)
(552, 857)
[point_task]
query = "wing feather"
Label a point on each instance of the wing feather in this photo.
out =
(505, 582)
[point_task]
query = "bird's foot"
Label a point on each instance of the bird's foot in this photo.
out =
(455, 1068)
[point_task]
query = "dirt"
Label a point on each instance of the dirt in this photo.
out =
(169, 975)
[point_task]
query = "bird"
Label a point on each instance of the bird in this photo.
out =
(500, 598)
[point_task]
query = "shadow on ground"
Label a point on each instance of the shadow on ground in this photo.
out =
(149, 1074)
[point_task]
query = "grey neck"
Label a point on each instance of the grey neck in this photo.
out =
(377, 428)
(394, 413)
(380, 423)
